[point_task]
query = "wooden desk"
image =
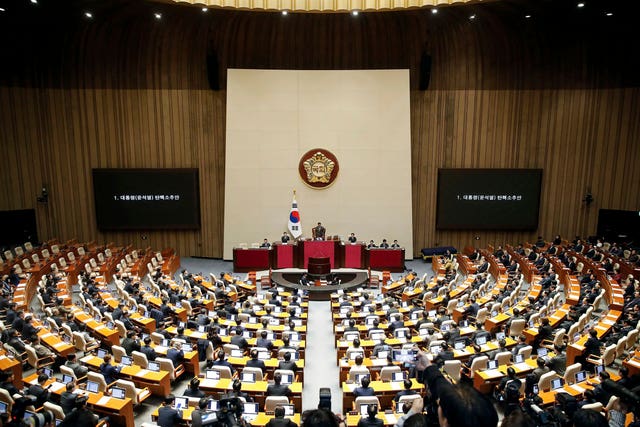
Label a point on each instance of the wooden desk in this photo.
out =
(10, 364)
(261, 420)
(389, 419)
(159, 383)
(120, 411)
(385, 391)
(257, 390)
(100, 331)
(485, 381)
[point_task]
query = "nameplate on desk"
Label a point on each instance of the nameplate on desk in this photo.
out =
(396, 385)
(60, 344)
(56, 386)
(492, 373)
(100, 327)
(161, 349)
(522, 366)
(103, 401)
(607, 321)
(143, 372)
(3, 357)
(209, 383)
(46, 335)
(390, 418)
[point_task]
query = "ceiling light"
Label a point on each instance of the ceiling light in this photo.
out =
(434, 11)
(581, 4)
(285, 13)
(472, 17)
(157, 15)
(609, 13)
(527, 16)
(205, 9)
(355, 12)
(2, 9)
(88, 15)
(34, 1)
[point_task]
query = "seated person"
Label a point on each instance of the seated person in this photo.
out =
(371, 420)
(194, 389)
(364, 389)
(278, 389)
(279, 420)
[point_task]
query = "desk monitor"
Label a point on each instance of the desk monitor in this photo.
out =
(110, 325)
(66, 339)
(277, 309)
(404, 355)
(48, 372)
(397, 376)
(383, 354)
(481, 340)
(252, 320)
(597, 369)
(350, 336)
(144, 337)
(500, 336)
(247, 334)
(179, 305)
(274, 321)
(203, 328)
(251, 408)
(345, 322)
(248, 377)
(166, 343)
(535, 389)
(213, 405)
(359, 378)
(297, 322)
(289, 410)
(93, 386)
(400, 333)
(264, 355)
(236, 352)
(405, 304)
(369, 321)
(494, 313)
(211, 313)
(445, 327)
(460, 344)
(119, 393)
(97, 318)
(186, 347)
(3, 408)
(415, 315)
(492, 364)
(126, 361)
(293, 336)
(231, 317)
(223, 332)
(518, 358)
(460, 304)
(400, 407)
(345, 309)
(532, 323)
(432, 313)
(153, 366)
(464, 323)
(435, 350)
(182, 325)
(542, 351)
(287, 379)
(181, 403)
(354, 354)
(209, 418)
(557, 383)
(379, 336)
(364, 407)
(146, 314)
(212, 374)
(66, 378)
(581, 376)
(576, 337)
(294, 355)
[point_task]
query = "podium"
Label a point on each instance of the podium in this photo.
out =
(353, 255)
(283, 255)
(319, 249)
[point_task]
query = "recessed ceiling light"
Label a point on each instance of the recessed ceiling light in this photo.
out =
(285, 13)
(205, 9)
(527, 16)
(157, 15)
(355, 12)
(472, 17)
(2, 9)
(88, 15)
(580, 4)
(609, 13)
(34, 1)
(434, 11)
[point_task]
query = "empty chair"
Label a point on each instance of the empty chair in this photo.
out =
(98, 378)
(56, 410)
(544, 384)
(137, 395)
(118, 352)
(271, 402)
(570, 373)
(516, 327)
(167, 365)
(386, 373)
(140, 359)
(621, 347)
(503, 358)
(526, 351)
(156, 338)
(452, 368)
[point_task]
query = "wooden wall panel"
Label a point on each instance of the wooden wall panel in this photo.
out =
(557, 93)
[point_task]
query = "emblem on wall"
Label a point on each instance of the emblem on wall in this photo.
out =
(318, 168)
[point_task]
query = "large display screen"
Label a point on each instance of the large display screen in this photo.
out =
(488, 199)
(146, 199)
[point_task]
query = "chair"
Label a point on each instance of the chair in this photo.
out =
(167, 365)
(598, 407)
(122, 330)
(272, 402)
(228, 347)
(81, 343)
(479, 364)
(65, 370)
(225, 371)
(19, 251)
(156, 338)
(516, 328)
(366, 400)
(358, 370)
(34, 361)
(256, 371)
(607, 358)
(621, 347)
(56, 410)
(632, 338)
(503, 358)
(544, 384)
(137, 395)
(118, 352)
(286, 372)
(408, 398)
(386, 373)
(452, 368)
(482, 316)
(98, 378)
(6, 398)
(570, 373)
(526, 351)
(140, 359)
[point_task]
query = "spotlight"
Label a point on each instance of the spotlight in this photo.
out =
(285, 13)
(2, 9)
(157, 15)
(472, 17)
(580, 4)
(527, 16)
(434, 11)
(88, 15)
(355, 12)
(34, 1)
(609, 13)
(205, 9)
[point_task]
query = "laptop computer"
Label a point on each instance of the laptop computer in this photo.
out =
(236, 352)
(581, 376)
(153, 366)
(126, 361)
(223, 332)
(459, 345)
(3, 408)
(518, 358)
(66, 379)
(492, 364)
(119, 393)
(213, 405)
(203, 328)
(186, 347)
(397, 376)
(481, 340)
(445, 327)
(542, 352)
(364, 407)
(500, 336)
(93, 387)
(274, 321)
(48, 372)
(248, 377)
(212, 374)
(181, 403)
(557, 383)
(110, 325)
(354, 354)
(359, 378)
(378, 336)
(287, 379)
(293, 336)
(434, 349)
(400, 333)
(247, 334)
(264, 355)
(166, 343)
(289, 410)
(597, 369)
(535, 389)
(251, 410)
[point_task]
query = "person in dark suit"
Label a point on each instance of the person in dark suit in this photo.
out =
(194, 389)
(384, 244)
(364, 389)
(39, 391)
(371, 420)
(254, 362)
(285, 238)
(167, 415)
(352, 238)
(445, 354)
(279, 420)
(221, 361)
(78, 369)
(239, 340)
(196, 415)
(28, 330)
(278, 389)
(265, 244)
(175, 354)
(108, 370)
(68, 398)
(148, 350)
(287, 363)
(319, 232)
(263, 341)
(406, 392)
(130, 343)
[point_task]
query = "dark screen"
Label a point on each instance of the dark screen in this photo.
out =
(488, 199)
(18, 227)
(619, 226)
(142, 199)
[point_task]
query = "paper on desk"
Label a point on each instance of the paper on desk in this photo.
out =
(60, 344)
(103, 400)
(396, 385)
(577, 388)
(390, 418)
(47, 335)
(522, 366)
(56, 386)
(143, 372)
(208, 383)
(492, 373)
(161, 349)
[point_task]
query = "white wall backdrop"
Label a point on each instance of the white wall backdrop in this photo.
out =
(275, 116)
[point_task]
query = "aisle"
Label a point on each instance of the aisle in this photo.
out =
(320, 358)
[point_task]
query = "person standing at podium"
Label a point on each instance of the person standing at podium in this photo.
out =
(384, 244)
(319, 232)
(285, 238)
(395, 245)
(265, 244)
(352, 238)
